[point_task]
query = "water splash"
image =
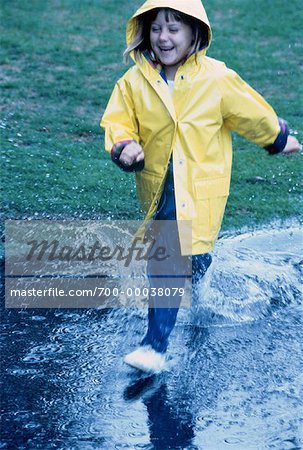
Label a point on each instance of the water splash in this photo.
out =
(252, 275)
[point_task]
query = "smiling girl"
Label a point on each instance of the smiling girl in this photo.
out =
(170, 119)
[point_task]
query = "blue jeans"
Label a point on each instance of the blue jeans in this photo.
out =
(161, 320)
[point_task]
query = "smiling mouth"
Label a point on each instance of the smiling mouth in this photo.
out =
(166, 49)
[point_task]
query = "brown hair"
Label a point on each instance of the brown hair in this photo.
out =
(141, 40)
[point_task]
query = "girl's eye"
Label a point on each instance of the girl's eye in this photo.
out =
(155, 29)
(173, 30)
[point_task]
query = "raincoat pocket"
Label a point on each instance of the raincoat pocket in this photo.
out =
(211, 195)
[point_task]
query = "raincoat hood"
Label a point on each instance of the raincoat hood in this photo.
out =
(192, 8)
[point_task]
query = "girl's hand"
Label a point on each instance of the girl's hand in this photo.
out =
(131, 154)
(292, 146)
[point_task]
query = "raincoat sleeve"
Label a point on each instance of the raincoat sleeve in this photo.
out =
(119, 119)
(247, 113)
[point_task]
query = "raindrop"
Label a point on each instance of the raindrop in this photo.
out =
(295, 132)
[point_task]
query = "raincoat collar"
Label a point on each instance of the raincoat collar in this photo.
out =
(155, 65)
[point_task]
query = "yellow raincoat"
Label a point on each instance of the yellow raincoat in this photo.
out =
(193, 125)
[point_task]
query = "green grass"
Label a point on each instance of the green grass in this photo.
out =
(59, 62)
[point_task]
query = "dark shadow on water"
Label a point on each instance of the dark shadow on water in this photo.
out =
(136, 389)
(170, 420)
(170, 427)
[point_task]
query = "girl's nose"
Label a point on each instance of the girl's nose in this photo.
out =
(163, 36)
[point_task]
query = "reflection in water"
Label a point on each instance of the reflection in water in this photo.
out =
(234, 381)
(170, 427)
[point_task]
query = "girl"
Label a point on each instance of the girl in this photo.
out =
(170, 119)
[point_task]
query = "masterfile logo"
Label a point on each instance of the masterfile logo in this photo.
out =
(92, 264)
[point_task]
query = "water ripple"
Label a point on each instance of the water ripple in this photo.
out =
(234, 380)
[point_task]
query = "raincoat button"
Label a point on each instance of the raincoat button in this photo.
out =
(158, 81)
(182, 77)
(183, 205)
(181, 162)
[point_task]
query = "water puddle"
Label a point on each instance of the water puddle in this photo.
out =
(234, 379)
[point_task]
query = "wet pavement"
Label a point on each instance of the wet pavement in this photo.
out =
(234, 376)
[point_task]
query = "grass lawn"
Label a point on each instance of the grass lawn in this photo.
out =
(59, 62)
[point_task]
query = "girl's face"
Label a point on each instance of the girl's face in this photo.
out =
(170, 41)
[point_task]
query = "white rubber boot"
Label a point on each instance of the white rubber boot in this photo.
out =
(145, 358)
